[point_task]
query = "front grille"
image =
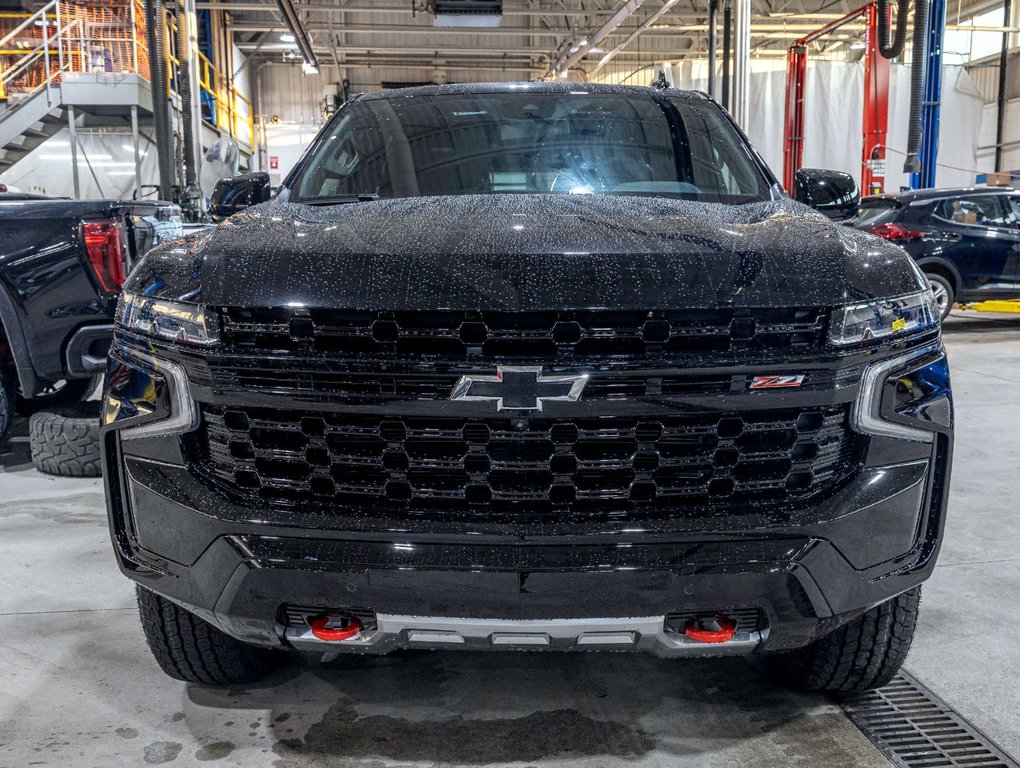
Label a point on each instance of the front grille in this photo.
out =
(526, 465)
(536, 336)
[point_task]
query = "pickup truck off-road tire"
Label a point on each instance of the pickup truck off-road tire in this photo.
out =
(65, 440)
(191, 649)
(863, 654)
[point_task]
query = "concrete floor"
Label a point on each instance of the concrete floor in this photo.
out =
(78, 688)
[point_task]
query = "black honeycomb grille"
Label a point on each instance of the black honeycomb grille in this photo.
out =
(527, 465)
(538, 336)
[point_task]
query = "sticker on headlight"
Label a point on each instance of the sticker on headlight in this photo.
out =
(776, 382)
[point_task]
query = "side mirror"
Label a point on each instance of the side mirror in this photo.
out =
(237, 193)
(833, 193)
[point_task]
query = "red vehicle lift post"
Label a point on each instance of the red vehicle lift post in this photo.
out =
(876, 102)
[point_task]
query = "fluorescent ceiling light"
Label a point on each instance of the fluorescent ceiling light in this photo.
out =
(287, 37)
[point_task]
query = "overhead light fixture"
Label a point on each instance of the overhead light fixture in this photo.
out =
(309, 69)
(466, 13)
(287, 37)
(563, 73)
(858, 45)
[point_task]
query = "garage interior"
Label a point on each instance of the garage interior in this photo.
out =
(156, 99)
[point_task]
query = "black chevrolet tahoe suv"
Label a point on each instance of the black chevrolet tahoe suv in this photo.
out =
(537, 366)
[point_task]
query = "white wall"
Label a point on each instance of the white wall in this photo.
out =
(286, 142)
(47, 169)
(834, 115)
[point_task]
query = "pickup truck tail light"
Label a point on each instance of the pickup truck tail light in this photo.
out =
(105, 248)
(896, 232)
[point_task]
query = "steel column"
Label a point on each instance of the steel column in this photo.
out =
(741, 62)
(793, 119)
(713, 40)
(1000, 106)
(72, 129)
(932, 105)
(135, 138)
(727, 42)
(876, 109)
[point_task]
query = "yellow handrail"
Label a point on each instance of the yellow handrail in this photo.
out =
(229, 116)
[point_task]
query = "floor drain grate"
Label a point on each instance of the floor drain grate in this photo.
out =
(914, 728)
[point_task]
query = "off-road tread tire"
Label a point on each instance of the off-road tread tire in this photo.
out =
(193, 650)
(65, 440)
(863, 654)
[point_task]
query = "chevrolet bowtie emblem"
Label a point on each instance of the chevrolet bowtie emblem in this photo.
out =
(519, 388)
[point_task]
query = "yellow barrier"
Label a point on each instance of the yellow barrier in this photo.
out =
(994, 305)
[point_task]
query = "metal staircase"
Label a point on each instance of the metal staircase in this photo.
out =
(27, 124)
(66, 57)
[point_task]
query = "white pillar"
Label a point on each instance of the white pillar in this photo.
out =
(741, 60)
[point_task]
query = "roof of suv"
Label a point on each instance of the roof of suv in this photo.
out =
(916, 195)
(542, 87)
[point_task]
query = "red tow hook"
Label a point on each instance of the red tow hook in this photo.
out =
(334, 634)
(710, 630)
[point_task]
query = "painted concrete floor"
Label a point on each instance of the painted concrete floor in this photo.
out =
(78, 688)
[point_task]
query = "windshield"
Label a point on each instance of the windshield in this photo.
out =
(530, 142)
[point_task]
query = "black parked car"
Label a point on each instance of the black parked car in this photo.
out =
(62, 263)
(536, 366)
(967, 241)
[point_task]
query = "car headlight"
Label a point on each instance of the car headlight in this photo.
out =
(170, 320)
(900, 316)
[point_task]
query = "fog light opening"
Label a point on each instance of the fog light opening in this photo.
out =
(715, 629)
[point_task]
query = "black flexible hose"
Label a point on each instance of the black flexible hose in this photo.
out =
(894, 49)
(155, 17)
(918, 65)
(184, 88)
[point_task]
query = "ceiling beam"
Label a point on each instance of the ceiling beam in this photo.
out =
(304, 43)
(568, 57)
(634, 35)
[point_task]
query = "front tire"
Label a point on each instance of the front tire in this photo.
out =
(65, 440)
(863, 654)
(193, 650)
(945, 296)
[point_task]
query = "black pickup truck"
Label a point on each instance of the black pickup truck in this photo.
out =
(525, 367)
(62, 263)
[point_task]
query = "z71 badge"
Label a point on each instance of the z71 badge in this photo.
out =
(776, 382)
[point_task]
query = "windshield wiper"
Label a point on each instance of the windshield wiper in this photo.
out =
(361, 197)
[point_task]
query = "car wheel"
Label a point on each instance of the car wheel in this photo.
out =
(193, 650)
(58, 393)
(863, 654)
(65, 440)
(945, 296)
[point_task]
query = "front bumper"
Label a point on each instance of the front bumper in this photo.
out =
(495, 584)
(879, 537)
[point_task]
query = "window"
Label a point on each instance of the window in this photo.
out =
(1013, 210)
(875, 212)
(983, 210)
(531, 142)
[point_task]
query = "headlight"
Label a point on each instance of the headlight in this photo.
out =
(884, 318)
(171, 320)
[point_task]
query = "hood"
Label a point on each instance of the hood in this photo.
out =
(527, 252)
